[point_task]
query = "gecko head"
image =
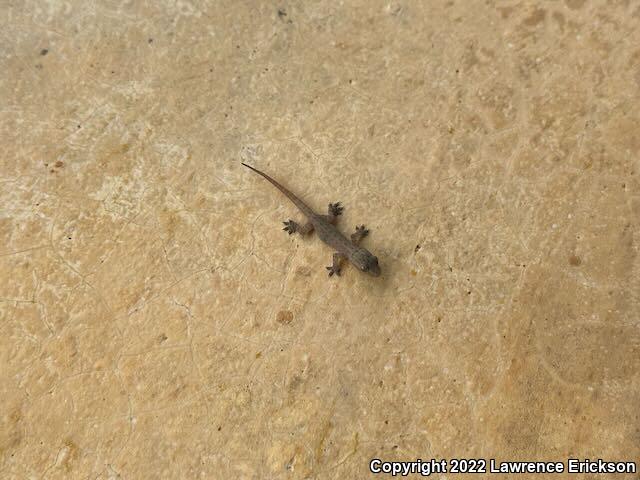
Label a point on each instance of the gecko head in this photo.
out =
(366, 262)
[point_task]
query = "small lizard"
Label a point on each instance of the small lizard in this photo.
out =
(324, 225)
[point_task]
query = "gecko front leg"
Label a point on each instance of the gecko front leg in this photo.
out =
(290, 226)
(337, 264)
(360, 233)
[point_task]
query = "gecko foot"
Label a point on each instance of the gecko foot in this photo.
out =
(360, 233)
(337, 264)
(335, 209)
(362, 230)
(332, 269)
(290, 226)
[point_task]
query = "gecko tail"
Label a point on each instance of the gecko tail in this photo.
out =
(294, 199)
(262, 174)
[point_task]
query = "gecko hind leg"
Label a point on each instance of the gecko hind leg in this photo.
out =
(290, 227)
(337, 264)
(360, 233)
(333, 211)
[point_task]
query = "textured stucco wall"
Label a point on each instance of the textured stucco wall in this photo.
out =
(155, 321)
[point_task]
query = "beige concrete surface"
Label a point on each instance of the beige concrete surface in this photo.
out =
(156, 322)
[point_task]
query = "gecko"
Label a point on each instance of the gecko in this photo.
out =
(324, 226)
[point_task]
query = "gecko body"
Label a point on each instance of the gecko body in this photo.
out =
(324, 226)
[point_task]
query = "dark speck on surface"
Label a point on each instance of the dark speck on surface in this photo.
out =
(282, 12)
(284, 317)
(44, 51)
(150, 40)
